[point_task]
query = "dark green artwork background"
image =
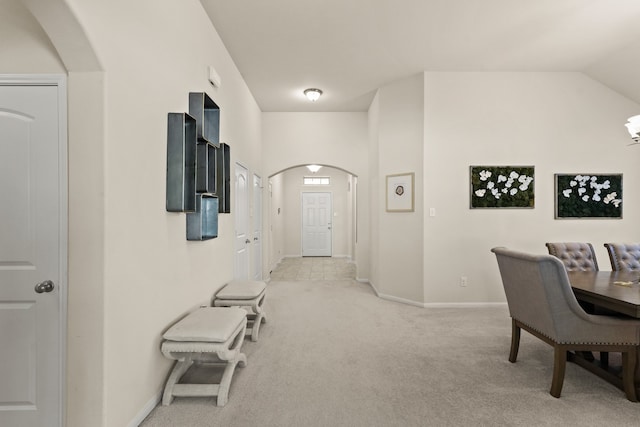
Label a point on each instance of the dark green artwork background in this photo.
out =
(522, 199)
(575, 207)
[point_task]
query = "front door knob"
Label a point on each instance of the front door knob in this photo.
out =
(46, 286)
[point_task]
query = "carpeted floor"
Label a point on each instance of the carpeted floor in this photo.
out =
(314, 268)
(333, 354)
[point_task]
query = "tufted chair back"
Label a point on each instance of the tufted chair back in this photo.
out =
(574, 256)
(624, 256)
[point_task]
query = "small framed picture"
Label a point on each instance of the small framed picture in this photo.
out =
(588, 195)
(502, 187)
(400, 194)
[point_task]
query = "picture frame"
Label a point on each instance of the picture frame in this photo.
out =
(502, 187)
(588, 196)
(400, 192)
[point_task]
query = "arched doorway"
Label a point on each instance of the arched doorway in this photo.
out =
(285, 215)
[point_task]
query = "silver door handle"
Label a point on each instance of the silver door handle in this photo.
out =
(46, 286)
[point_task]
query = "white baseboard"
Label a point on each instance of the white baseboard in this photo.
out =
(463, 304)
(146, 410)
(435, 304)
(401, 300)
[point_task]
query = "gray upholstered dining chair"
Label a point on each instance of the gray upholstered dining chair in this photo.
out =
(624, 256)
(541, 302)
(575, 256)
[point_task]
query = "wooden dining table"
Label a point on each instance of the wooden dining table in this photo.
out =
(616, 291)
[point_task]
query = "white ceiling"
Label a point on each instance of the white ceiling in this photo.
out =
(349, 48)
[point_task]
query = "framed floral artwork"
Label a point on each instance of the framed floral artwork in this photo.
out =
(588, 195)
(400, 195)
(502, 187)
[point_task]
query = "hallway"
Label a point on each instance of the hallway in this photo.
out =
(314, 268)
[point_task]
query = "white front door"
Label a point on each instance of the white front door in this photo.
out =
(257, 227)
(243, 243)
(32, 253)
(316, 224)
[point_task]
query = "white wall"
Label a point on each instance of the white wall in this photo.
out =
(372, 233)
(292, 212)
(25, 47)
(558, 122)
(399, 143)
(333, 139)
(276, 227)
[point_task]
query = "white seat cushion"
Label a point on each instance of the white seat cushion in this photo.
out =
(208, 324)
(242, 289)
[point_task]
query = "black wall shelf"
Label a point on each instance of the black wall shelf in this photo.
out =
(207, 115)
(203, 223)
(224, 178)
(207, 167)
(181, 163)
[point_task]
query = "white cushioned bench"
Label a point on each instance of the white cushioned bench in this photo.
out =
(209, 335)
(245, 293)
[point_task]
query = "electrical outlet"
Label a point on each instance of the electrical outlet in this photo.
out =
(463, 281)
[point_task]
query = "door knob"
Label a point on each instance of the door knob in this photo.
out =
(46, 286)
(247, 241)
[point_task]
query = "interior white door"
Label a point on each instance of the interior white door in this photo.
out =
(257, 227)
(243, 242)
(316, 224)
(31, 279)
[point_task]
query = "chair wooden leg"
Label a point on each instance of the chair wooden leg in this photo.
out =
(629, 361)
(559, 366)
(604, 359)
(515, 341)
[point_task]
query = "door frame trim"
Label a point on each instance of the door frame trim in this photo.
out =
(60, 81)
(260, 216)
(235, 217)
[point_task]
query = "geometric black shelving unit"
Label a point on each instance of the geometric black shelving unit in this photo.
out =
(198, 167)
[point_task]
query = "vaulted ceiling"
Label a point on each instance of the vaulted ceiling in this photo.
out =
(349, 48)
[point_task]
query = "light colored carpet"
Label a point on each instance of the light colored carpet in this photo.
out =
(333, 354)
(314, 268)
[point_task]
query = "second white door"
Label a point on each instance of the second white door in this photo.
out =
(242, 242)
(316, 224)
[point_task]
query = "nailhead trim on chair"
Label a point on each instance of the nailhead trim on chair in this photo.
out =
(575, 342)
(624, 256)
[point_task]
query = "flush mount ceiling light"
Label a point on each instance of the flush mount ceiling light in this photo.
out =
(633, 126)
(312, 94)
(313, 168)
